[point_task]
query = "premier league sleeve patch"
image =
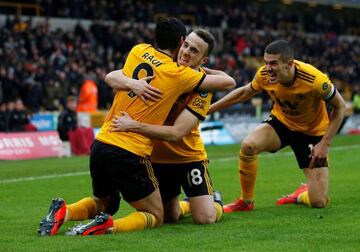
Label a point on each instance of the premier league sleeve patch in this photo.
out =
(328, 91)
(325, 86)
(203, 94)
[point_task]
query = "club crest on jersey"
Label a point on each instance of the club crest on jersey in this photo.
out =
(325, 86)
(131, 94)
(203, 94)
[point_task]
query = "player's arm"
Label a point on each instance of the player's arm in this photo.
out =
(185, 122)
(117, 80)
(321, 149)
(236, 96)
(337, 115)
(217, 80)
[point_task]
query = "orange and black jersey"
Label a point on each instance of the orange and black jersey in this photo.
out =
(301, 104)
(172, 79)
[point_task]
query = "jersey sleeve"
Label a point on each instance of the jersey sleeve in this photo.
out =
(199, 103)
(191, 79)
(257, 83)
(324, 88)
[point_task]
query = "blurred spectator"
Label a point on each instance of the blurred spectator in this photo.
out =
(3, 117)
(1, 91)
(67, 119)
(57, 59)
(88, 98)
(19, 24)
(52, 95)
(10, 108)
(18, 118)
(106, 94)
(64, 84)
(33, 95)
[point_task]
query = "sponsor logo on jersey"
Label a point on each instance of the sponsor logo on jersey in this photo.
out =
(199, 103)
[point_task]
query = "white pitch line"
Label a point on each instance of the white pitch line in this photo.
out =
(72, 174)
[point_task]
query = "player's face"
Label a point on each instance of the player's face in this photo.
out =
(193, 52)
(277, 69)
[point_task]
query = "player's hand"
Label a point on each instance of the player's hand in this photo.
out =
(144, 91)
(319, 153)
(122, 123)
(211, 110)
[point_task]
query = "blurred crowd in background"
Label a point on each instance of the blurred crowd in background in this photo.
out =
(42, 67)
(239, 14)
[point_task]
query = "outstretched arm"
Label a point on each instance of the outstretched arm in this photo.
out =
(236, 96)
(185, 122)
(321, 150)
(117, 80)
(217, 80)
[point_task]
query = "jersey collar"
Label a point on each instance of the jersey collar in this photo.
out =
(160, 51)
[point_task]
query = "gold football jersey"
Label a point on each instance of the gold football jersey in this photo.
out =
(301, 105)
(191, 147)
(171, 78)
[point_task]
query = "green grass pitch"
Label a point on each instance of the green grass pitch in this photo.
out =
(27, 187)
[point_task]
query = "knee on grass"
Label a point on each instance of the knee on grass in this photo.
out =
(204, 218)
(172, 217)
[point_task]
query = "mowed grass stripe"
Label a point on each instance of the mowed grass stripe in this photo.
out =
(72, 174)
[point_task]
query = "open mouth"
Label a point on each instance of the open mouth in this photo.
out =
(272, 76)
(183, 61)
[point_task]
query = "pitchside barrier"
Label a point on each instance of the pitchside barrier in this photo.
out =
(215, 133)
(45, 121)
(29, 145)
(46, 142)
(351, 125)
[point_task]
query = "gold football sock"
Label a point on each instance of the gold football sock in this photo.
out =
(85, 208)
(248, 167)
(219, 211)
(304, 198)
(134, 221)
(184, 208)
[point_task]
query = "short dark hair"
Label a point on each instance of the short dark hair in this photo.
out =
(208, 38)
(168, 33)
(281, 47)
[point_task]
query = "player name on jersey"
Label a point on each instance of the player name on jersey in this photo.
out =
(152, 59)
